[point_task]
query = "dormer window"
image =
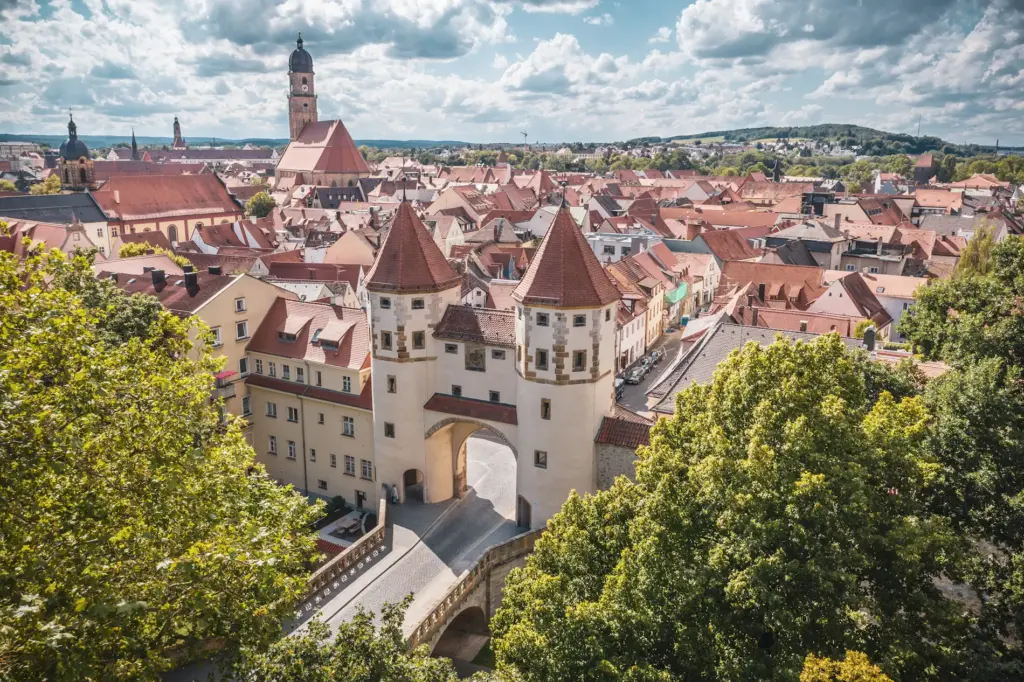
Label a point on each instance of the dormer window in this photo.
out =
(286, 337)
(316, 335)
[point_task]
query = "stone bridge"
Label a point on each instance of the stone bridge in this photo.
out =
(471, 603)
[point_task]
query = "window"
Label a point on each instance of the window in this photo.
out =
(545, 408)
(312, 454)
(873, 271)
(540, 459)
(300, 375)
(456, 391)
(239, 305)
(243, 366)
(246, 407)
(419, 340)
(291, 449)
(273, 445)
(319, 379)
(350, 465)
(579, 360)
(609, 249)
(346, 384)
(452, 348)
(217, 341)
(497, 354)
(541, 358)
(906, 305)
(392, 384)
(348, 426)
(272, 410)
(242, 330)
(259, 366)
(321, 483)
(519, 352)
(607, 314)
(272, 366)
(579, 320)
(385, 340)
(385, 303)
(542, 319)
(389, 430)
(850, 268)
(494, 396)
(366, 469)
(624, 250)
(99, 232)
(417, 304)
(334, 461)
(286, 372)
(293, 414)
(320, 418)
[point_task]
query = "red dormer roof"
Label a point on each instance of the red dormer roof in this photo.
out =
(565, 272)
(409, 260)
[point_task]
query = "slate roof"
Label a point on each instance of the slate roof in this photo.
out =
(480, 325)
(565, 272)
(473, 409)
(409, 260)
(53, 208)
(625, 428)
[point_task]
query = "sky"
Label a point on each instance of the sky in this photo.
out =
(489, 70)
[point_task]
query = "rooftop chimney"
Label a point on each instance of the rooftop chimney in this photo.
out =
(113, 277)
(869, 338)
(878, 248)
(158, 276)
(192, 282)
(753, 313)
(188, 268)
(837, 221)
(760, 291)
(117, 197)
(214, 270)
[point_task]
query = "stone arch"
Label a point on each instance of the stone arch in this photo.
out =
(446, 466)
(469, 629)
(448, 421)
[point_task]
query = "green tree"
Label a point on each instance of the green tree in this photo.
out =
(132, 249)
(778, 513)
(854, 668)
(104, 443)
(976, 259)
(7, 186)
(862, 326)
(359, 652)
(51, 185)
(259, 205)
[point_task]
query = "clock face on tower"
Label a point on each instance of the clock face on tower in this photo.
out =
(305, 88)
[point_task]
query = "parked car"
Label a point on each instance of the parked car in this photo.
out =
(646, 364)
(635, 377)
(657, 356)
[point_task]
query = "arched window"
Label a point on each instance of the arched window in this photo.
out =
(172, 233)
(303, 80)
(84, 175)
(145, 229)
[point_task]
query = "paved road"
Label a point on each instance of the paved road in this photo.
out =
(635, 397)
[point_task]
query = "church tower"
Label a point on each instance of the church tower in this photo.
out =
(178, 143)
(301, 93)
(135, 147)
(565, 366)
(76, 166)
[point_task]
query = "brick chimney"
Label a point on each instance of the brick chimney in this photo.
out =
(693, 229)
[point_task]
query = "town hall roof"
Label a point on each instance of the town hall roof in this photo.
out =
(565, 272)
(323, 147)
(409, 260)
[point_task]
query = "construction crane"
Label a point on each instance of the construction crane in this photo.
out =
(525, 145)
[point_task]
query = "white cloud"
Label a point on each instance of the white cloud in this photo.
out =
(600, 20)
(500, 62)
(663, 35)
(559, 6)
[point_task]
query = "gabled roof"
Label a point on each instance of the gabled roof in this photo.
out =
(409, 260)
(145, 197)
(479, 325)
(323, 147)
(52, 208)
(349, 349)
(729, 245)
(812, 230)
(565, 272)
(625, 428)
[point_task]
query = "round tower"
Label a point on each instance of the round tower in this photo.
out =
(301, 91)
(565, 361)
(409, 286)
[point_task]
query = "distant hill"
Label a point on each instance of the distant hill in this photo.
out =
(97, 141)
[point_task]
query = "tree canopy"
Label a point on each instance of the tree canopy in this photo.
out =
(132, 249)
(51, 185)
(259, 205)
(108, 435)
(778, 513)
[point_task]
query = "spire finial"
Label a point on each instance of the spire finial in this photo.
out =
(565, 185)
(298, 42)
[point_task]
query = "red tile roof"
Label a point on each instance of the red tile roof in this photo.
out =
(491, 327)
(324, 147)
(409, 260)
(565, 272)
(319, 272)
(625, 429)
(363, 401)
(143, 197)
(473, 409)
(729, 245)
(175, 297)
(346, 327)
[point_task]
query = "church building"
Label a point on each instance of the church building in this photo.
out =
(320, 152)
(75, 165)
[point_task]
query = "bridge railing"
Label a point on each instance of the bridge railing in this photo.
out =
(355, 552)
(451, 603)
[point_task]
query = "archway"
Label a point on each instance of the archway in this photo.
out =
(412, 484)
(464, 637)
(172, 233)
(446, 456)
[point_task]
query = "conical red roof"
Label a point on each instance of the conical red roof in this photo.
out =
(565, 273)
(409, 260)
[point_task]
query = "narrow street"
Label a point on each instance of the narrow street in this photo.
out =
(635, 397)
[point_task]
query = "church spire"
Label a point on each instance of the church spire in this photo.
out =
(135, 146)
(72, 128)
